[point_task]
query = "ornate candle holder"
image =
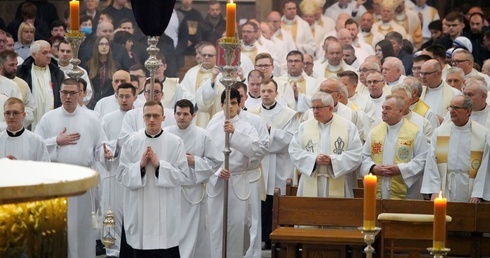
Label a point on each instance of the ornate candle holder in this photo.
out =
(152, 63)
(369, 238)
(438, 252)
(228, 60)
(75, 38)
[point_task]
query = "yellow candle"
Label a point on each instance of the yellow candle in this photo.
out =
(230, 19)
(369, 201)
(74, 15)
(439, 222)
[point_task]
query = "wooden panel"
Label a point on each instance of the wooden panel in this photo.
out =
(322, 251)
(317, 236)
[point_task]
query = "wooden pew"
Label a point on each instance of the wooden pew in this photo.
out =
(483, 229)
(291, 190)
(335, 222)
(414, 239)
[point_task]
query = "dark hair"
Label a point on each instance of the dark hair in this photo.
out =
(106, 13)
(85, 18)
(183, 103)
(422, 58)
(28, 10)
(234, 94)
(121, 37)
(239, 85)
(353, 77)
(136, 67)
(69, 81)
(148, 81)
(386, 48)
(255, 72)
(84, 84)
(407, 46)
(351, 21)
(435, 25)
(437, 50)
(267, 81)
(127, 85)
(394, 35)
(453, 16)
(295, 53)
(57, 23)
(160, 56)
(124, 21)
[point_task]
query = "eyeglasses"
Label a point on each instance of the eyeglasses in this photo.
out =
(329, 91)
(12, 113)
(319, 107)
(449, 108)
(365, 70)
(207, 55)
(263, 66)
(457, 62)
(154, 116)
(156, 92)
(308, 63)
(71, 93)
(374, 81)
(423, 74)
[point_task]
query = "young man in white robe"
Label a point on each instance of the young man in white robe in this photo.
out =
(133, 120)
(244, 143)
(75, 136)
(111, 189)
(298, 28)
(153, 166)
(17, 143)
(277, 167)
(203, 160)
(326, 150)
(395, 152)
(457, 159)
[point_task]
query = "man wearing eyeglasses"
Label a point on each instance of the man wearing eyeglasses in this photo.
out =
(326, 150)
(395, 152)
(375, 83)
(75, 136)
(436, 93)
(19, 143)
(250, 46)
(366, 68)
(464, 59)
(457, 161)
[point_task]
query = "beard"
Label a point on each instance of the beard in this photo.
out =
(10, 75)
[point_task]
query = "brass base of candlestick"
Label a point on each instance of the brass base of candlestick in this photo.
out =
(438, 253)
(369, 237)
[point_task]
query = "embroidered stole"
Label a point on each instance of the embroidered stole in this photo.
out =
(300, 83)
(169, 87)
(251, 53)
(384, 31)
(447, 95)
(339, 140)
(291, 28)
(403, 154)
(329, 74)
(369, 38)
(421, 108)
(476, 153)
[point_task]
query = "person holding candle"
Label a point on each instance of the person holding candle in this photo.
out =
(395, 152)
(457, 161)
(327, 151)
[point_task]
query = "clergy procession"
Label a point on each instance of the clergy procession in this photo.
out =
(325, 92)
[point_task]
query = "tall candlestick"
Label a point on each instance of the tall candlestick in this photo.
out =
(439, 222)
(230, 19)
(74, 15)
(369, 201)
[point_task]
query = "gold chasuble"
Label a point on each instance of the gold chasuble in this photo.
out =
(170, 88)
(202, 117)
(331, 74)
(421, 108)
(403, 154)
(291, 28)
(476, 153)
(339, 141)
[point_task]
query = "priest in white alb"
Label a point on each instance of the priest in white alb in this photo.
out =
(326, 150)
(74, 135)
(457, 161)
(152, 168)
(17, 143)
(203, 160)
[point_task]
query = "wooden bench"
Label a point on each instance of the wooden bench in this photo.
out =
(483, 229)
(292, 190)
(402, 239)
(332, 227)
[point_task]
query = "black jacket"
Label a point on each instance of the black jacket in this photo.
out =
(57, 77)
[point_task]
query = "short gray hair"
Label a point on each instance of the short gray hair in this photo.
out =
(396, 63)
(414, 84)
(399, 101)
(404, 87)
(480, 84)
(467, 103)
(37, 45)
(324, 97)
(456, 70)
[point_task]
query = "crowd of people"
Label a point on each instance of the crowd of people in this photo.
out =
(323, 95)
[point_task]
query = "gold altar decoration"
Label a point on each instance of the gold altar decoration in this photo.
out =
(33, 206)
